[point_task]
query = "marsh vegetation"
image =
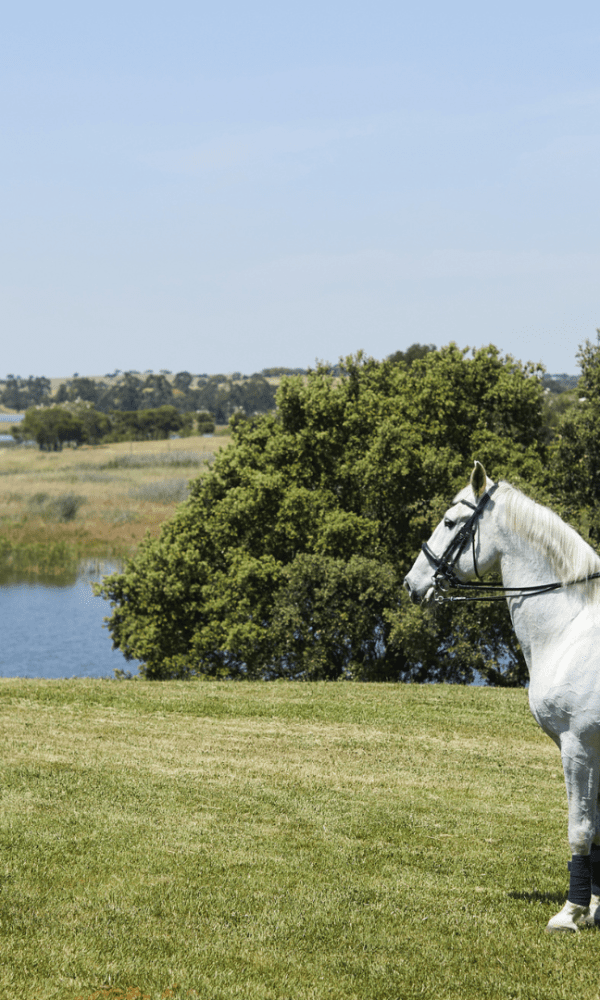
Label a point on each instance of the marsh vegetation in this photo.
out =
(59, 507)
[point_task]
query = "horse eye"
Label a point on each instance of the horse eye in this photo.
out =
(448, 523)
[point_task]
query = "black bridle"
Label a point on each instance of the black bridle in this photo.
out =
(445, 576)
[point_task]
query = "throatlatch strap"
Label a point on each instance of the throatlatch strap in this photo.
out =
(580, 886)
(595, 856)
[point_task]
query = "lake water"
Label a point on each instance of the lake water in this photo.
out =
(54, 629)
(7, 419)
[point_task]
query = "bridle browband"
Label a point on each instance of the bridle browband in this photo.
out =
(445, 576)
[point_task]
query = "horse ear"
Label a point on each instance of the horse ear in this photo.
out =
(478, 479)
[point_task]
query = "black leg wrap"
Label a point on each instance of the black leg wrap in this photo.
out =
(595, 856)
(580, 888)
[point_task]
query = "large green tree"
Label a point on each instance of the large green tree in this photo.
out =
(50, 427)
(147, 424)
(288, 558)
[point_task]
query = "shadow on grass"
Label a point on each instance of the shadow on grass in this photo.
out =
(539, 897)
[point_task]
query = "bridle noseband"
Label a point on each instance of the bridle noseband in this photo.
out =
(445, 576)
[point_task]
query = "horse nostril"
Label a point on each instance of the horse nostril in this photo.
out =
(412, 592)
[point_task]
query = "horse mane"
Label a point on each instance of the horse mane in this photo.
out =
(569, 555)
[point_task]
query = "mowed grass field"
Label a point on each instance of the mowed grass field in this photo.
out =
(281, 842)
(98, 500)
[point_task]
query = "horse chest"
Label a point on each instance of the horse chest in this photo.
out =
(564, 694)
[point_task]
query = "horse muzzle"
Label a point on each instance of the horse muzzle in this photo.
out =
(416, 596)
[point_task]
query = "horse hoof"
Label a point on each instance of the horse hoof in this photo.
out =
(592, 917)
(571, 918)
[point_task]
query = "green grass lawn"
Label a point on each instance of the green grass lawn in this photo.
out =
(281, 842)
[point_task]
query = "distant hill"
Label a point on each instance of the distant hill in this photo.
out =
(119, 376)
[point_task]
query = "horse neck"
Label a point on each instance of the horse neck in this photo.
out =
(536, 619)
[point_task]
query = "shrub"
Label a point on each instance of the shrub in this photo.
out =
(205, 422)
(61, 508)
(162, 491)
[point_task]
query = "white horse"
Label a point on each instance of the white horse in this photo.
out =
(550, 576)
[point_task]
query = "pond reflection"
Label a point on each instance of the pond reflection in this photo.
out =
(52, 626)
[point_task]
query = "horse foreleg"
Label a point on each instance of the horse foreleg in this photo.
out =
(581, 768)
(593, 917)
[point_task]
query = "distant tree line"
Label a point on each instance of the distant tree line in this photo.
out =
(80, 423)
(277, 372)
(221, 395)
(18, 393)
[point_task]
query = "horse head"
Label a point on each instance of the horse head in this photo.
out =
(462, 546)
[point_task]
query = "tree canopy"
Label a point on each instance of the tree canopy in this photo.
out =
(287, 559)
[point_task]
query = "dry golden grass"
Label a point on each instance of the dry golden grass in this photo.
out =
(118, 504)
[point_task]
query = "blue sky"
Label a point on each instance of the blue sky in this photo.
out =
(221, 187)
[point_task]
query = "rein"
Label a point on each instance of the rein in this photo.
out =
(445, 576)
(542, 588)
